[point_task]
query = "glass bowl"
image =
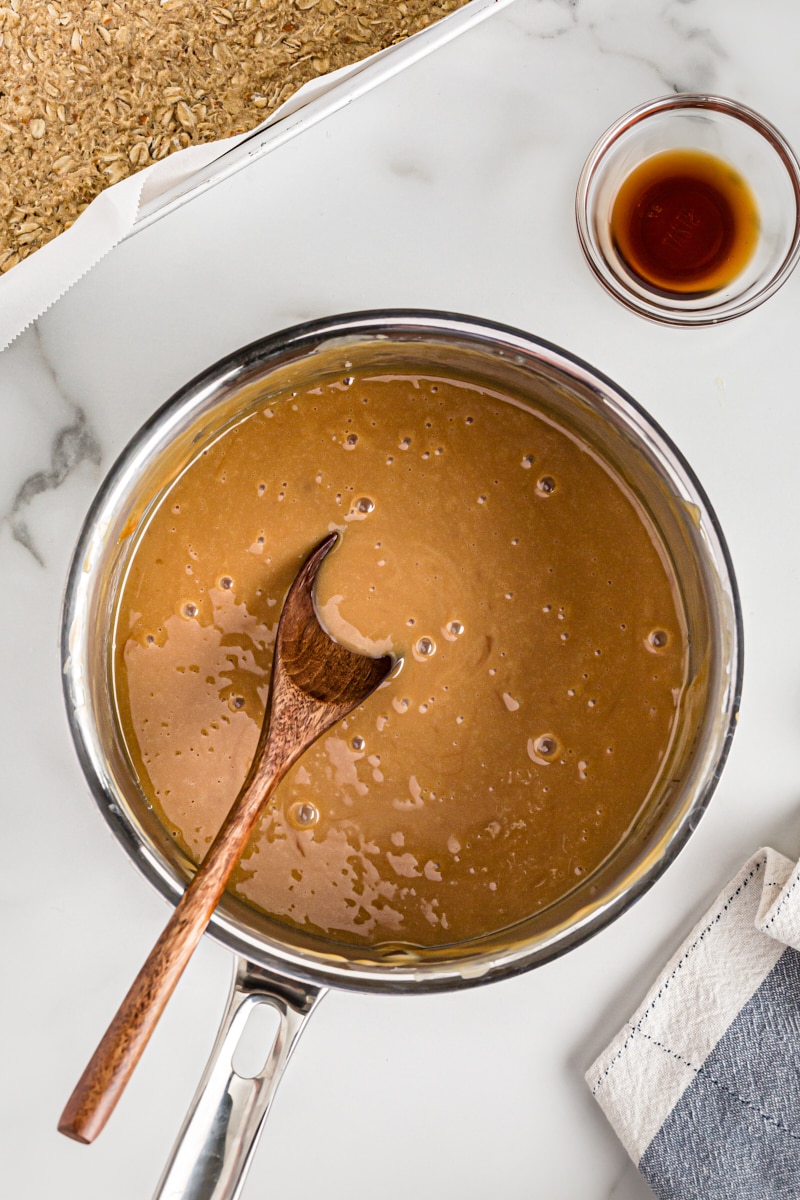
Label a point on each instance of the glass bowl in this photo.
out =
(737, 138)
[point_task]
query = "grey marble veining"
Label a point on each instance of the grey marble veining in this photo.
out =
(59, 436)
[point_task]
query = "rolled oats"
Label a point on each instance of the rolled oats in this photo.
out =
(135, 80)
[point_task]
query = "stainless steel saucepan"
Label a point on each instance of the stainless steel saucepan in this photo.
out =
(291, 969)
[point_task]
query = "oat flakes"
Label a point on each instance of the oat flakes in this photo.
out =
(93, 91)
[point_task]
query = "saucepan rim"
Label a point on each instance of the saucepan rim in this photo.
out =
(467, 968)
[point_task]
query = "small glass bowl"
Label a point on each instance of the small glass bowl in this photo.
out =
(728, 131)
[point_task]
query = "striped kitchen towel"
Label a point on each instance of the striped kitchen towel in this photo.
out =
(702, 1085)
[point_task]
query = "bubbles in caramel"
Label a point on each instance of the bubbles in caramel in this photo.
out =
(543, 648)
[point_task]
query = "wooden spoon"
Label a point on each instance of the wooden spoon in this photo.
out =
(315, 682)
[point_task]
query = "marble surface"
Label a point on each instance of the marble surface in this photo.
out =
(449, 187)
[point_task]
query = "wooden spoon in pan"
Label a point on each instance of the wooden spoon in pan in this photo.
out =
(315, 682)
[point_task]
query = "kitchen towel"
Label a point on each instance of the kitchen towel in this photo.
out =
(702, 1085)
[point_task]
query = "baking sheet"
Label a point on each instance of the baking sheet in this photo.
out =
(31, 287)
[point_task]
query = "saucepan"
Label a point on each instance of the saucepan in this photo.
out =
(288, 968)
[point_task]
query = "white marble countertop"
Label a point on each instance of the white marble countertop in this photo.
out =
(449, 187)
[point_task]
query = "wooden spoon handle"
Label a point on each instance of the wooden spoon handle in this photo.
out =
(110, 1067)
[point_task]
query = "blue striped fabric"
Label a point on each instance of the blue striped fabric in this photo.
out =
(735, 1132)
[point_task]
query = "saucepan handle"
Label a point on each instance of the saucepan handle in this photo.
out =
(216, 1143)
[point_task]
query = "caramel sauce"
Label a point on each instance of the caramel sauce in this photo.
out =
(685, 222)
(542, 637)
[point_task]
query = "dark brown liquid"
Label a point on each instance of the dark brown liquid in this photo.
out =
(685, 222)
